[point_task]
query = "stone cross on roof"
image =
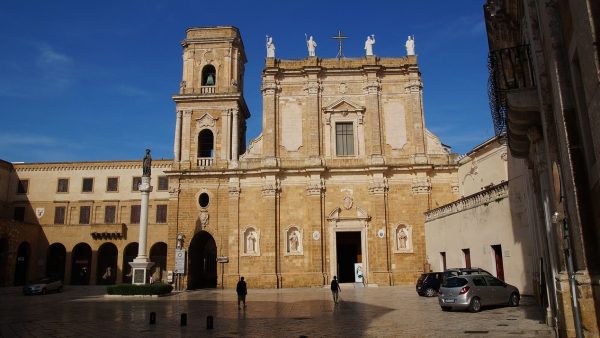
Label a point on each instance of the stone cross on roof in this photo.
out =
(339, 37)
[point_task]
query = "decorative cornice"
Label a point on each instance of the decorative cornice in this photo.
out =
(491, 194)
(315, 187)
(421, 185)
(117, 165)
(270, 189)
(378, 186)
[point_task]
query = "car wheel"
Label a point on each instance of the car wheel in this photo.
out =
(513, 300)
(446, 308)
(475, 305)
(430, 292)
(43, 291)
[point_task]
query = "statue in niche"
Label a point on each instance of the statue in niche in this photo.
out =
(410, 45)
(294, 241)
(270, 47)
(251, 242)
(147, 164)
(311, 45)
(369, 44)
(402, 239)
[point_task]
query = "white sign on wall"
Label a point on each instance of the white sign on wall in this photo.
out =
(179, 261)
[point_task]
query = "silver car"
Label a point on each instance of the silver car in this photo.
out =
(43, 286)
(474, 291)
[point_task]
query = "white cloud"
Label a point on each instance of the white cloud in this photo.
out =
(23, 139)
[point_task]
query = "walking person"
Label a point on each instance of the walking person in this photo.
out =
(335, 289)
(242, 291)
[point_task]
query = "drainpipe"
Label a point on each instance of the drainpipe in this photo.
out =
(572, 281)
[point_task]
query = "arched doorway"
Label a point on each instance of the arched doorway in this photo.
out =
(4, 279)
(158, 255)
(107, 264)
(22, 263)
(202, 262)
(55, 261)
(81, 264)
(130, 253)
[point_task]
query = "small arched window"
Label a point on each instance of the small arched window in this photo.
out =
(205, 143)
(209, 75)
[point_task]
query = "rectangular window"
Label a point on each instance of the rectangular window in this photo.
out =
(467, 254)
(19, 214)
(63, 185)
(135, 214)
(22, 186)
(135, 186)
(110, 212)
(161, 213)
(163, 183)
(344, 139)
(59, 215)
(87, 185)
(84, 215)
(112, 184)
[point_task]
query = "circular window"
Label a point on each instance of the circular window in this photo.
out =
(203, 200)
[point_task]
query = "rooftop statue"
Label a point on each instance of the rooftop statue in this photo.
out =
(311, 45)
(270, 47)
(369, 44)
(410, 46)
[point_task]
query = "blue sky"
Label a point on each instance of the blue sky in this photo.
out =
(92, 80)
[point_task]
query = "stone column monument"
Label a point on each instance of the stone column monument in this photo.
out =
(141, 265)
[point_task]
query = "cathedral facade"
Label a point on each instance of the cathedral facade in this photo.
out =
(336, 184)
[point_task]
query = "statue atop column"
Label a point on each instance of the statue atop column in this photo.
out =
(410, 45)
(311, 45)
(369, 44)
(270, 47)
(147, 164)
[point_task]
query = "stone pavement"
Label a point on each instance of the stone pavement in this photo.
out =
(84, 311)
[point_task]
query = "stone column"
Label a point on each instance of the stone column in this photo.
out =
(225, 135)
(141, 264)
(235, 135)
(269, 90)
(177, 143)
(377, 270)
(373, 115)
(185, 137)
(312, 113)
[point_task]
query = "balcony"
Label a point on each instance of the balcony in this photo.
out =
(513, 96)
(108, 231)
(205, 161)
(207, 90)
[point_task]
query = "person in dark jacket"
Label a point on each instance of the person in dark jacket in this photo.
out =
(242, 291)
(335, 289)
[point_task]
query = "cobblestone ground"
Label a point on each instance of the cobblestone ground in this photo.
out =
(363, 312)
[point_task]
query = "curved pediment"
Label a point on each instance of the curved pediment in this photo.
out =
(343, 105)
(335, 214)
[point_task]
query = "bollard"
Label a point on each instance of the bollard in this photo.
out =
(152, 318)
(209, 322)
(183, 319)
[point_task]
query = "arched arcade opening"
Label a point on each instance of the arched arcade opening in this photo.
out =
(106, 271)
(81, 264)
(22, 264)
(55, 261)
(202, 261)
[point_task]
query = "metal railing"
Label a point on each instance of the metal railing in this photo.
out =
(510, 69)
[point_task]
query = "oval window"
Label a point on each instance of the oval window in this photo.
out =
(203, 200)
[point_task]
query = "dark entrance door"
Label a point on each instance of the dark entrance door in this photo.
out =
(4, 278)
(202, 262)
(55, 261)
(22, 263)
(498, 259)
(348, 252)
(81, 265)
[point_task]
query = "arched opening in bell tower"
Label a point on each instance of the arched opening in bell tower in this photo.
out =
(209, 75)
(206, 144)
(202, 262)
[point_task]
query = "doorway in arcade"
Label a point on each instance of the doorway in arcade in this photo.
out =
(349, 252)
(202, 262)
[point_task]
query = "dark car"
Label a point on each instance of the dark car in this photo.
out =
(429, 283)
(43, 286)
(474, 291)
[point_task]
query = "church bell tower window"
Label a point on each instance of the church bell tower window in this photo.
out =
(209, 75)
(206, 148)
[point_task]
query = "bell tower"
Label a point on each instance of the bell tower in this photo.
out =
(210, 128)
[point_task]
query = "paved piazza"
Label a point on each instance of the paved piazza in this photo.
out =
(84, 311)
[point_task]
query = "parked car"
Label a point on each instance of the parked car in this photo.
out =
(428, 284)
(43, 286)
(474, 291)
(465, 271)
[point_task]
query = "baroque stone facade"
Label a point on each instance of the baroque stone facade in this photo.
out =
(341, 174)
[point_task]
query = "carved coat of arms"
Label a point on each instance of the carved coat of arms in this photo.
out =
(347, 202)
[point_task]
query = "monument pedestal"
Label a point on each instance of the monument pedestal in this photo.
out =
(140, 267)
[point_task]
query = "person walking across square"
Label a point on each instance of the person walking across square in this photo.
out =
(335, 289)
(242, 291)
